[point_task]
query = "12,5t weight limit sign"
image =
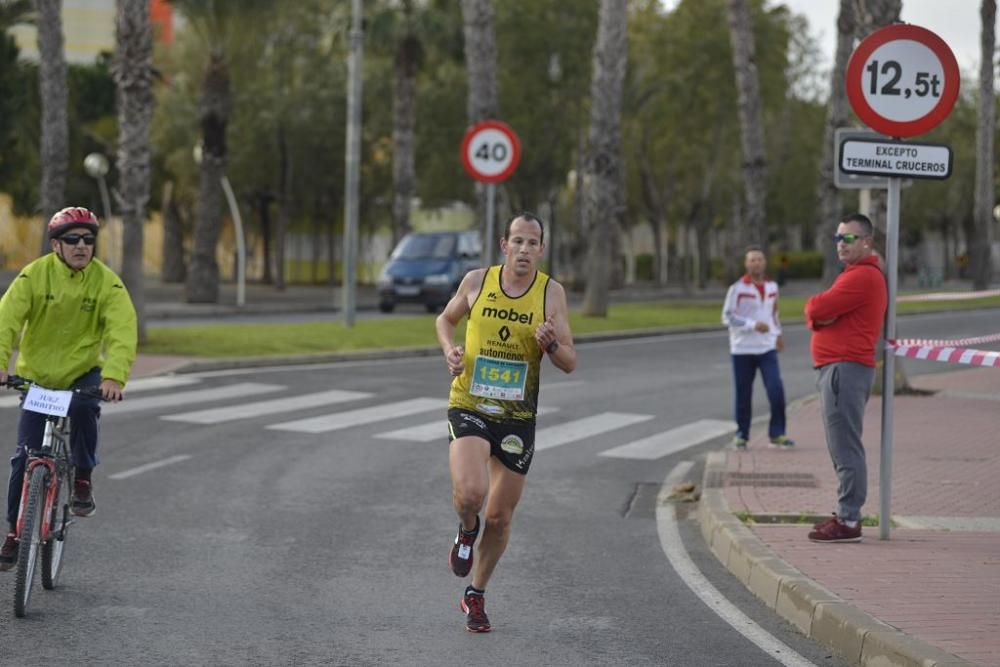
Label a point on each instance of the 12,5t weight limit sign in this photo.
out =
(491, 151)
(902, 80)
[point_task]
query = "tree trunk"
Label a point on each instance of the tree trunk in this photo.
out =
(284, 204)
(836, 117)
(54, 98)
(133, 73)
(403, 133)
(203, 278)
(481, 68)
(172, 269)
(605, 197)
(981, 247)
(751, 122)
(263, 201)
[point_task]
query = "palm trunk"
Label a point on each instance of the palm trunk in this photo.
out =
(605, 164)
(836, 117)
(403, 134)
(203, 278)
(751, 122)
(481, 69)
(981, 247)
(133, 74)
(54, 99)
(172, 269)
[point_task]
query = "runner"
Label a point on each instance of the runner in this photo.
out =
(516, 313)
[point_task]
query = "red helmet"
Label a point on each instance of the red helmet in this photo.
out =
(70, 217)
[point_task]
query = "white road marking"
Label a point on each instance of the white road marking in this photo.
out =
(578, 429)
(672, 441)
(435, 430)
(141, 384)
(238, 390)
(278, 405)
(673, 547)
(138, 470)
(341, 420)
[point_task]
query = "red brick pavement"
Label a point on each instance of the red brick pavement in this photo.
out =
(939, 586)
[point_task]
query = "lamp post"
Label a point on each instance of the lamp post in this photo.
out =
(96, 166)
(241, 249)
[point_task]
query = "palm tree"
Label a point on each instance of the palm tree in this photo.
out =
(751, 122)
(983, 208)
(214, 21)
(54, 98)
(836, 117)
(409, 54)
(13, 12)
(605, 199)
(481, 67)
(133, 74)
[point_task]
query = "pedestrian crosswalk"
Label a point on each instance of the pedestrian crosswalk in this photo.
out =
(169, 398)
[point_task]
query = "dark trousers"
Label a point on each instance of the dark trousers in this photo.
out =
(744, 371)
(84, 413)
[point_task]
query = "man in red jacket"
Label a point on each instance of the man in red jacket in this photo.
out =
(846, 321)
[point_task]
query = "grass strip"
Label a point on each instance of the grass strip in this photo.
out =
(242, 340)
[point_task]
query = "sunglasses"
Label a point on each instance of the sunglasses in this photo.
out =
(73, 239)
(846, 238)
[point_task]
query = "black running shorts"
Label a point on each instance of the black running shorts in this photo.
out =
(511, 442)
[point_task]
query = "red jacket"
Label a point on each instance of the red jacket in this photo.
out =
(856, 302)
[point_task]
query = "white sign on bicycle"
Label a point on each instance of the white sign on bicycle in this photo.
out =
(47, 401)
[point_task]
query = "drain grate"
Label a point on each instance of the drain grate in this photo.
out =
(796, 479)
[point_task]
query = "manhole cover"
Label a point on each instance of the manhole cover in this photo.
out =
(797, 479)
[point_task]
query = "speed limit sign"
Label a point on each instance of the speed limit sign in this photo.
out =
(902, 80)
(490, 151)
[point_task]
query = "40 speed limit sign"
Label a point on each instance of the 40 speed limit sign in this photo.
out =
(491, 151)
(902, 80)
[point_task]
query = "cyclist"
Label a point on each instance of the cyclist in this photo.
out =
(516, 313)
(79, 329)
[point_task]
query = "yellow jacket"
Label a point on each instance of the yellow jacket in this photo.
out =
(72, 322)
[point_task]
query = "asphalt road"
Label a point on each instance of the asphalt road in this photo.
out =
(256, 541)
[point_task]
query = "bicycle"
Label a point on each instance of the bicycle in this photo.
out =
(46, 494)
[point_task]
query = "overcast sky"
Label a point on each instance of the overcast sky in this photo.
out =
(954, 21)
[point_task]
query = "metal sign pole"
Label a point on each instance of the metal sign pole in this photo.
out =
(889, 357)
(488, 242)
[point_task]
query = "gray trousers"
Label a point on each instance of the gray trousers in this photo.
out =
(844, 388)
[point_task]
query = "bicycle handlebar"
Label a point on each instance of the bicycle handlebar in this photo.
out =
(22, 385)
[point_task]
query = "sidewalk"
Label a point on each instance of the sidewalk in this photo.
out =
(930, 595)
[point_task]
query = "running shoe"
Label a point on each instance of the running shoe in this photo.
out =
(83, 498)
(781, 442)
(8, 552)
(739, 444)
(835, 530)
(474, 607)
(460, 555)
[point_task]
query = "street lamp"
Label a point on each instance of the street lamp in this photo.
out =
(96, 166)
(241, 248)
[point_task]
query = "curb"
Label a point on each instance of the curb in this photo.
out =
(192, 365)
(817, 612)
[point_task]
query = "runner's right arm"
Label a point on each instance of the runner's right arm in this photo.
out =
(458, 307)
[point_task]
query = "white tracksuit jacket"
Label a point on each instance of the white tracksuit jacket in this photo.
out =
(743, 308)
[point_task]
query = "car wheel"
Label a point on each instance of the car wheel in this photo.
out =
(386, 306)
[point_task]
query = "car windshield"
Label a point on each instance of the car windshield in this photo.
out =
(425, 246)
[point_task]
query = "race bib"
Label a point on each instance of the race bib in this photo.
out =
(499, 378)
(47, 401)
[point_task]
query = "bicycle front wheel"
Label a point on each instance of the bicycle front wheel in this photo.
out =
(31, 538)
(52, 550)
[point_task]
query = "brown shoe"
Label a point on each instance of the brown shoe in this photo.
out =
(8, 552)
(835, 530)
(83, 499)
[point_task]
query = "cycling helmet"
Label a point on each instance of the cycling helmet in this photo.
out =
(70, 217)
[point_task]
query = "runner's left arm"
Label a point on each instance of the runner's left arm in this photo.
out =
(554, 335)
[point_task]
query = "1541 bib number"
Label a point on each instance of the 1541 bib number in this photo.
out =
(499, 378)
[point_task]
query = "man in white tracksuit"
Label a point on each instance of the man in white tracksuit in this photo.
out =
(751, 313)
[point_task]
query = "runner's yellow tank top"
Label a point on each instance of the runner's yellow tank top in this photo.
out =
(502, 358)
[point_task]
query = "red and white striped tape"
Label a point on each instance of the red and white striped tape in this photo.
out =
(957, 342)
(948, 355)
